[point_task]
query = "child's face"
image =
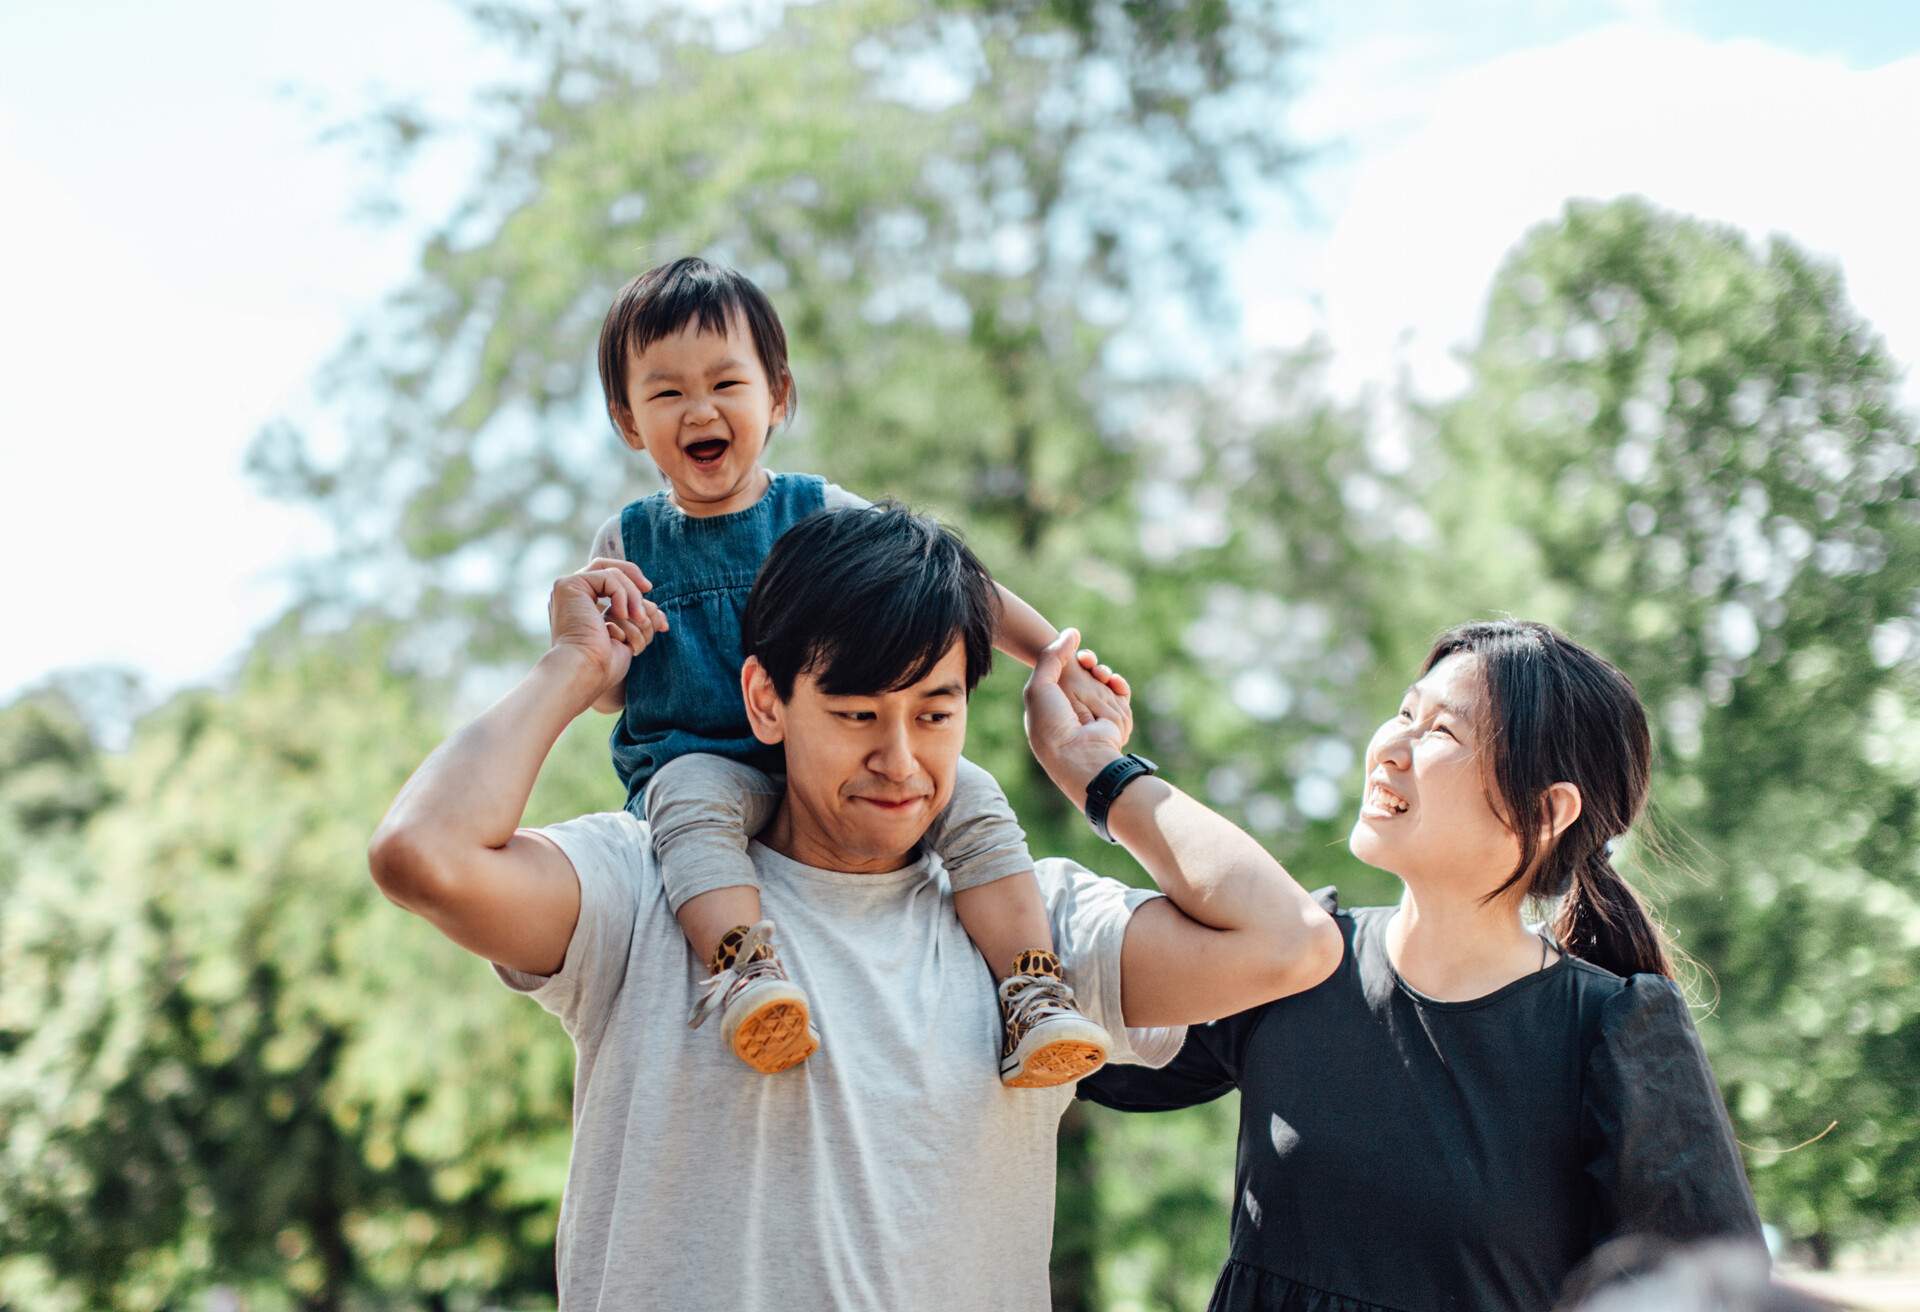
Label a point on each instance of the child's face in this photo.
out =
(700, 405)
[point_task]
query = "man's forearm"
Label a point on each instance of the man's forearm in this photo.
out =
(1210, 868)
(473, 790)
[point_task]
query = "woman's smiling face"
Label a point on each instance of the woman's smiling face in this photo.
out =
(1427, 810)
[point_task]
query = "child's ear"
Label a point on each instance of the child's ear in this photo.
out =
(766, 713)
(779, 415)
(623, 424)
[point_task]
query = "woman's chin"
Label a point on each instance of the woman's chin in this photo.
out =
(1368, 844)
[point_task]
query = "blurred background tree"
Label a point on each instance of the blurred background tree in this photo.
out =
(1690, 452)
(994, 231)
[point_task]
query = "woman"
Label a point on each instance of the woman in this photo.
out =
(1467, 1107)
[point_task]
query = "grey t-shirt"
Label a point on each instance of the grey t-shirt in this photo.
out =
(889, 1171)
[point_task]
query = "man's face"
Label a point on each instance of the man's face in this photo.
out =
(866, 775)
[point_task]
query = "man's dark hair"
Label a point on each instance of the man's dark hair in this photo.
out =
(668, 297)
(868, 601)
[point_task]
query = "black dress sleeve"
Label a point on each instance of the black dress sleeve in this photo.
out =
(1661, 1152)
(1207, 1067)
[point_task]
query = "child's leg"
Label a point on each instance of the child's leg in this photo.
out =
(998, 900)
(702, 810)
(1004, 919)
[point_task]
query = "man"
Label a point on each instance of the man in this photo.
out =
(892, 1170)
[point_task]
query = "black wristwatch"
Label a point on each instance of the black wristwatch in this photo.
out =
(1109, 784)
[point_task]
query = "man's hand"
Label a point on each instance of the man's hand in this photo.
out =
(602, 613)
(1071, 750)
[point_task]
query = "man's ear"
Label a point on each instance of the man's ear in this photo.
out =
(1563, 808)
(766, 713)
(623, 423)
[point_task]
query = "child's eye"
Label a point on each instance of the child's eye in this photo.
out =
(937, 717)
(858, 717)
(731, 382)
(1406, 715)
(660, 395)
(1441, 728)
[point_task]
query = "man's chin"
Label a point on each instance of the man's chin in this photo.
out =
(876, 833)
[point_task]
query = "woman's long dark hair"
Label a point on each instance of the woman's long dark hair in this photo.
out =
(1555, 713)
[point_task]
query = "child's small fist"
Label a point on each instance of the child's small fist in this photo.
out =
(1097, 693)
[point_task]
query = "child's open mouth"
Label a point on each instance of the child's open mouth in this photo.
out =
(706, 454)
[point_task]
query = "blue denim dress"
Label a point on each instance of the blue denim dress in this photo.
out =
(683, 691)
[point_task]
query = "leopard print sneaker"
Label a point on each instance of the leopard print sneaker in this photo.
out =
(1048, 1041)
(764, 1016)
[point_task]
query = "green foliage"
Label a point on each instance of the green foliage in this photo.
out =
(239, 1064)
(990, 229)
(1689, 452)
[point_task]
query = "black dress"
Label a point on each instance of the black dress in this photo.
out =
(1399, 1154)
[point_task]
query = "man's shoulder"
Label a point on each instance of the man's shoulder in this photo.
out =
(1070, 889)
(606, 845)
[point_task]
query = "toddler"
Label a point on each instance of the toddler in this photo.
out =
(693, 361)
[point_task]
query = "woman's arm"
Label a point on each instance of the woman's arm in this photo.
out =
(1661, 1151)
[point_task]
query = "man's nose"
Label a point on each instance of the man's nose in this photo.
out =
(892, 756)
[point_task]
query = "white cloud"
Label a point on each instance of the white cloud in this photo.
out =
(1738, 132)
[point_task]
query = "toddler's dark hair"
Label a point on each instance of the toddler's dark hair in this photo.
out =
(668, 297)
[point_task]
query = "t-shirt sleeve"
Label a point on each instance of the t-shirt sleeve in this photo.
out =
(1199, 1073)
(608, 542)
(608, 853)
(838, 498)
(1089, 915)
(1660, 1149)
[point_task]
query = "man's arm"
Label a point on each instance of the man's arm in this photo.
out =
(449, 849)
(1235, 931)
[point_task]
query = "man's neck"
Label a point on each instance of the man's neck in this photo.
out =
(1457, 948)
(797, 836)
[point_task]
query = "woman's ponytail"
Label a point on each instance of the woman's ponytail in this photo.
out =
(1602, 920)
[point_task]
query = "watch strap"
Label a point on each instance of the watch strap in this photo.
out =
(1106, 786)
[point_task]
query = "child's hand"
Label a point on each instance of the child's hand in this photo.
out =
(629, 616)
(1097, 693)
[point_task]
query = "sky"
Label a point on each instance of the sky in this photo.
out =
(185, 249)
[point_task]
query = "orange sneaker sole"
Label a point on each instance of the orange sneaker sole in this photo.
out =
(1059, 1063)
(775, 1038)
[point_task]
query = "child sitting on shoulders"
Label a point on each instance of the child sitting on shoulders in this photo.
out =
(693, 361)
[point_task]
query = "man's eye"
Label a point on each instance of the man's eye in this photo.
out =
(859, 717)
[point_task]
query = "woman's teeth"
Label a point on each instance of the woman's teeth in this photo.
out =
(1382, 799)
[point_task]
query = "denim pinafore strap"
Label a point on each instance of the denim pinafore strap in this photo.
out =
(683, 691)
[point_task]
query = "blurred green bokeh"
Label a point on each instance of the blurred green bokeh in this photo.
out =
(232, 1076)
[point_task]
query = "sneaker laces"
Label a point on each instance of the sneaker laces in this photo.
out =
(1030, 999)
(718, 988)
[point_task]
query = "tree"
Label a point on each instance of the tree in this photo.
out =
(1689, 452)
(237, 1065)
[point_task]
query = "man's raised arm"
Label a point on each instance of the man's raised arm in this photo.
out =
(449, 849)
(1235, 931)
